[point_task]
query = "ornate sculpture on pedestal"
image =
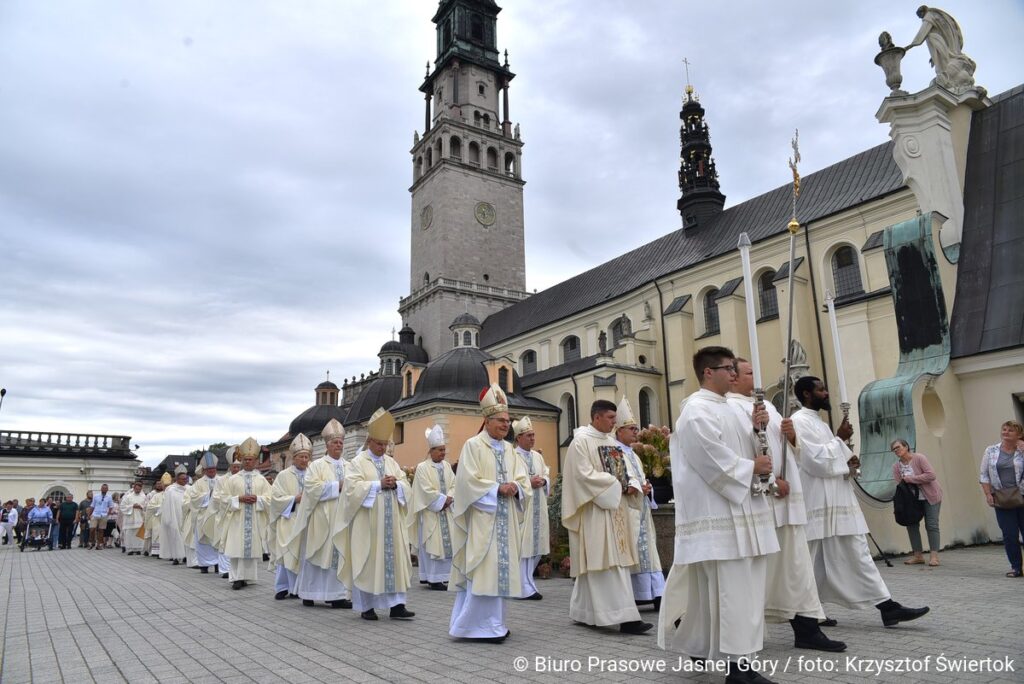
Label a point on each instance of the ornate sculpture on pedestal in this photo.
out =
(953, 69)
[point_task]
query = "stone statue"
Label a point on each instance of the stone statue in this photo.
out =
(953, 69)
(415, 138)
(602, 342)
(517, 131)
(647, 312)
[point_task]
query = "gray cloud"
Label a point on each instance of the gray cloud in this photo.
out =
(204, 206)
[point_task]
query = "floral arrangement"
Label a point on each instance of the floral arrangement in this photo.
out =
(409, 472)
(651, 447)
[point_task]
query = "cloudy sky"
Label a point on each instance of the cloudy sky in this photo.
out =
(204, 205)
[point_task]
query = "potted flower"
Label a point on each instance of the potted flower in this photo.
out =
(651, 448)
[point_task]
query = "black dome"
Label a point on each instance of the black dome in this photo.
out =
(465, 319)
(392, 347)
(327, 384)
(313, 419)
(381, 393)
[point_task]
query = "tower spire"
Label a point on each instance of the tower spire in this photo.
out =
(700, 198)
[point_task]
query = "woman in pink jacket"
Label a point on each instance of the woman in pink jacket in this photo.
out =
(916, 470)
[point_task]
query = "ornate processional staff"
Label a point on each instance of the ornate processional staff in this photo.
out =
(794, 227)
(844, 401)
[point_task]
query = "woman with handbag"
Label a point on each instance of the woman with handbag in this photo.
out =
(1002, 480)
(914, 469)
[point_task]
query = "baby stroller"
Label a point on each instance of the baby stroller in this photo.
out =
(37, 535)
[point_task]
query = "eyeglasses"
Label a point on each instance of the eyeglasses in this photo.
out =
(731, 368)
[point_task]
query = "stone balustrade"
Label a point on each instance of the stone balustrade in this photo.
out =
(64, 442)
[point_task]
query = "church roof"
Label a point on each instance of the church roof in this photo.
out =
(457, 376)
(381, 393)
(988, 312)
(861, 178)
(312, 420)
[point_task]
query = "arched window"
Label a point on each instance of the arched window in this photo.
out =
(570, 348)
(467, 339)
(846, 272)
(510, 164)
(487, 121)
(455, 145)
(492, 159)
(568, 406)
(711, 325)
(474, 154)
(426, 278)
(767, 294)
(419, 167)
(388, 367)
(58, 494)
(476, 119)
(503, 382)
(456, 343)
(620, 328)
(430, 157)
(476, 339)
(408, 384)
(528, 362)
(476, 27)
(438, 151)
(645, 408)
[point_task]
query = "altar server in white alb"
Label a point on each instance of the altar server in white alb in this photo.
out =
(151, 544)
(285, 499)
(791, 591)
(188, 518)
(248, 506)
(536, 537)
(319, 516)
(490, 487)
(133, 508)
(714, 600)
(200, 501)
(836, 531)
(373, 539)
(170, 515)
(646, 576)
(430, 512)
(597, 494)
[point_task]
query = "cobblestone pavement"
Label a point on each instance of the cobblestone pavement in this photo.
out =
(82, 616)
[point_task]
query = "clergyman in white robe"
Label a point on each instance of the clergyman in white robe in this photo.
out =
(172, 546)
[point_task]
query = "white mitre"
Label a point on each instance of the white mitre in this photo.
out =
(435, 437)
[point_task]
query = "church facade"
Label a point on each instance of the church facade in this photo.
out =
(915, 239)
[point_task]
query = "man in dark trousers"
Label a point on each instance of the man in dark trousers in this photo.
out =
(67, 518)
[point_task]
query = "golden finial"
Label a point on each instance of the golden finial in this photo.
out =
(794, 225)
(689, 88)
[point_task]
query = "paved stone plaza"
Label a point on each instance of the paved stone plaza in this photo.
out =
(83, 616)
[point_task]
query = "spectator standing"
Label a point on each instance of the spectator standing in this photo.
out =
(19, 524)
(8, 520)
(101, 504)
(1002, 480)
(84, 509)
(914, 468)
(67, 518)
(55, 528)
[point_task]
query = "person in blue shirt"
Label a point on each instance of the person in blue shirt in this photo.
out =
(39, 513)
(101, 504)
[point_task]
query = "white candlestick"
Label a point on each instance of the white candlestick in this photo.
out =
(837, 347)
(748, 295)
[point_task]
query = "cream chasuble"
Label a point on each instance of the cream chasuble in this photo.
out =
(429, 494)
(152, 520)
(288, 484)
(486, 535)
(319, 511)
(245, 524)
(373, 537)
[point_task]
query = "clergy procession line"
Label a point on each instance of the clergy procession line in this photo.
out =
(767, 523)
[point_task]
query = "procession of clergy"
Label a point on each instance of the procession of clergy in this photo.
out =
(750, 545)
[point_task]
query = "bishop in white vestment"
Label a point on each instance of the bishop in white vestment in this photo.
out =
(490, 487)
(151, 544)
(597, 494)
(375, 558)
(319, 520)
(199, 501)
(430, 512)
(220, 510)
(248, 504)
(836, 530)
(646, 576)
(285, 499)
(535, 541)
(170, 516)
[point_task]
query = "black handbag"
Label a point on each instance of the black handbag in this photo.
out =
(907, 508)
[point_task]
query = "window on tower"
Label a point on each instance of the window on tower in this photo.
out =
(503, 379)
(456, 342)
(846, 272)
(487, 121)
(711, 325)
(510, 164)
(492, 159)
(476, 27)
(474, 154)
(528, 362)
(570, 348)
(455, 148)
(768, 295)
(467, 339)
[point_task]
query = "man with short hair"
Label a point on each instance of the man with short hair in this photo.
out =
(248, 497)
(317, 522)
(67, 518)
(99, 516)
(791, 591)
(844, 570)
(490, 487)
(646, 577)
(285, 499)
(133, 511)
(597, 493)
(198, 501)
(535, 539)
(714, 601)
(374, 548)
(83, 519)
(430, 512)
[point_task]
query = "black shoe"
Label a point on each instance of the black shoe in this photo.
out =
(828, 622)
(635, 627)
(342, 603)
(399, 612)
(176, 562)
(893, 613)
(266, 557)
(436, 586)
(807, 634)
(281, 595)
(223, 575)
(291, 596)
(216, 568)
(495, 640)
(657, 604)
(744, 676)
(424, 582)
(238, 584)
(205, 570)
(146, 553)
(535, 596)
(123, 549)
(368, 615)
(307, 602)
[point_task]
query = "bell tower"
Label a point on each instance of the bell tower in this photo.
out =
(467, 234)
(700, 197)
